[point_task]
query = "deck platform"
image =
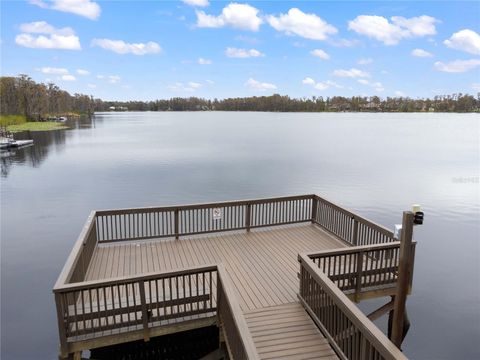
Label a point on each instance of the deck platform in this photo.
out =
(262, 263)
(277, 276)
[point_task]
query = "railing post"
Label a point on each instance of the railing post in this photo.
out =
(176, 224)
(410, 266)
(359, 270)
(143, 303)
(403, 278)
(247, 216)
(61, 326)
(363, 349)
(355, 232)
(314, 209)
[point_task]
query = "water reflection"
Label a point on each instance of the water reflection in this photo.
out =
(43, 143)
(375, 164)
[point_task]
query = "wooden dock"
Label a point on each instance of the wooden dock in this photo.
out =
(276, 275)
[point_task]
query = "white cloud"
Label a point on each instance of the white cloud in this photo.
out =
(364, 61)
(421, 53)
(92, 86)
(242, 53)
(194, 85)
(465, 40)
(476, 86)
(86, 8)
(210, 82)
(191, 86)
(390, 33)
(308, 81)
(52, 37)
(376, 85)
(51, 42)
(53, 71)
(42, 27)
(239, 16)
(400, 93)
(321, 85)
(417, 26)
(68, 77)
(320, 54)
(121, 47)
(203, 61)
(83, 72)
(100, 77)
(200, 3)
(296, 22)
(353, 73)
(259, 86)
(457, 66)
(114, 79)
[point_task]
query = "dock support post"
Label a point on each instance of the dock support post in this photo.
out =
(61, 327)
(403, 279)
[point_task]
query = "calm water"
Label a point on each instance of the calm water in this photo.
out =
(376, 164)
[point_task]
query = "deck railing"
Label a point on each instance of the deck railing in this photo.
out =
(237, 335)
(348, 226)
(175, 221)
(89, 309)
(359, 268)
(78, 261)
(145, 223)
(94, 309)
(157, 222)
(350, 333)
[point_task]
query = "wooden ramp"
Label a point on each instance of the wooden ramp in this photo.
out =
(287, 332)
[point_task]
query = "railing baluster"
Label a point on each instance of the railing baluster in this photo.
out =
(143, 304)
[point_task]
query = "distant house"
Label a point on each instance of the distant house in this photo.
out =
(118, 108)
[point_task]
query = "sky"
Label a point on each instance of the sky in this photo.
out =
(147, 50)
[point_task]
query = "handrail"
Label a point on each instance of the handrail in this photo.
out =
(204, 205)
(351, 334)
(123, 304)
(348, 226)
(181, 220)
(176, 221)
(239, 340)
(358, 268)
(81, 254)
(92, 284)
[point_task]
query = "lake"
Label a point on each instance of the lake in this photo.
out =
(376, 164)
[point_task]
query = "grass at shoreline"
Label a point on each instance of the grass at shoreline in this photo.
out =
(6, 120)
(37, 126)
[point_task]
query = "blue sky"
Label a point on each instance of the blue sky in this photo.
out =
(145, 50)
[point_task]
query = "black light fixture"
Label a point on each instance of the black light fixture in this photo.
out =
(417, 215)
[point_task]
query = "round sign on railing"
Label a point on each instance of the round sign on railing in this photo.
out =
(217, 213)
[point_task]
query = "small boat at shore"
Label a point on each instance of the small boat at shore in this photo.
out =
(7, 143)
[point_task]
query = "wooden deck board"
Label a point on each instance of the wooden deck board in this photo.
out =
(287, 332)
(262, 263)
(263, 267)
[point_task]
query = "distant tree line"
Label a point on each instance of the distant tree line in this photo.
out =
(23, 96)
(283, 103)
